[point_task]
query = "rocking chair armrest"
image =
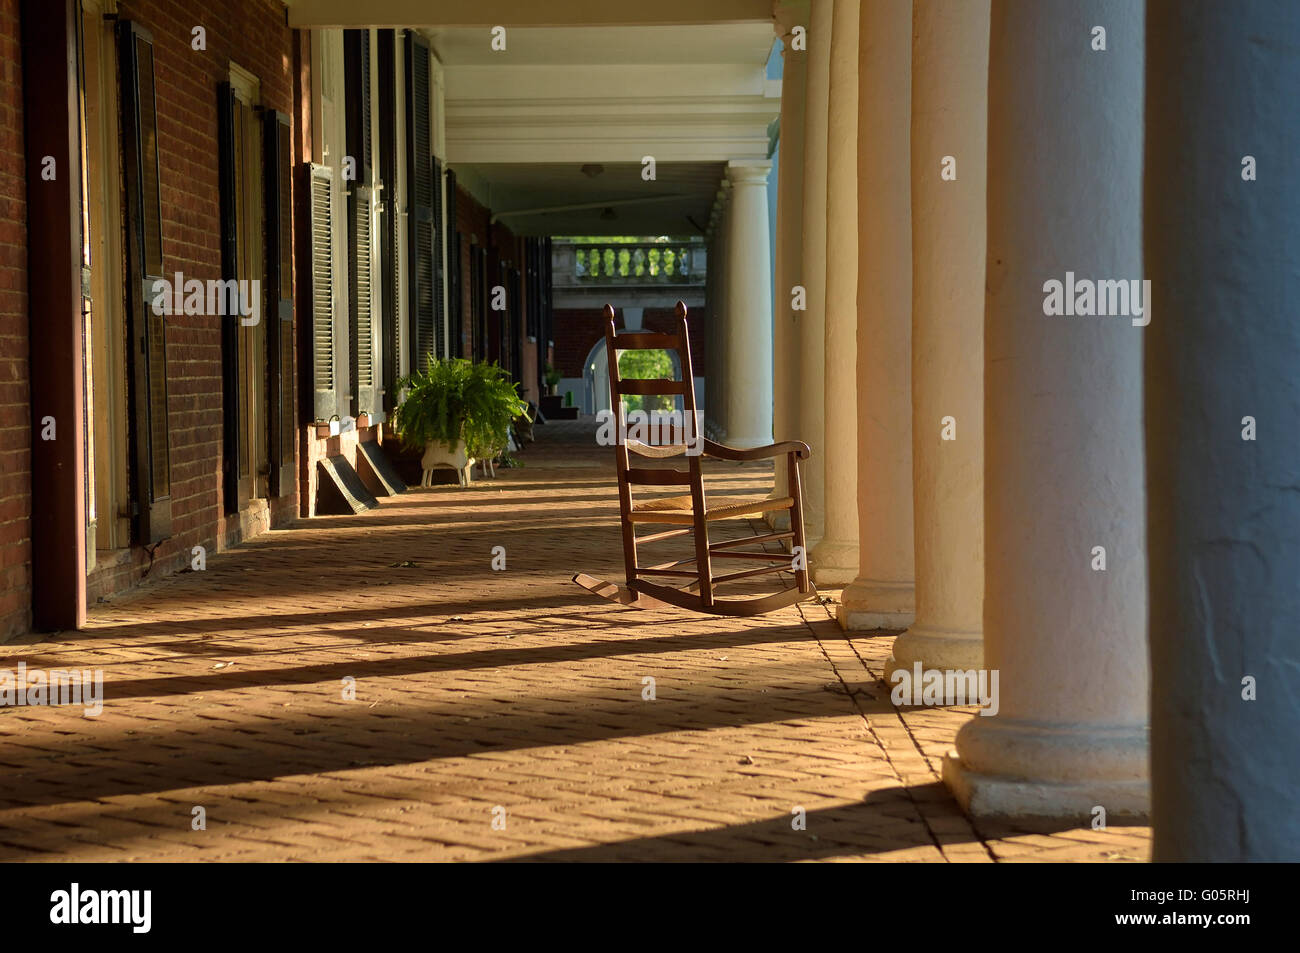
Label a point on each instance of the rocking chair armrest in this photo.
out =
(722, 452)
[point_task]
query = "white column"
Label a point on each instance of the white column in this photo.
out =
(883, 596)
(1222, 404)
(748, 346)
(834, 561)
(716, 409)
(950, 61)
(1063, 471)
(812, 274)
(789, 243)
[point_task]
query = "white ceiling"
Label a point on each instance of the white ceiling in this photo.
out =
(738, 43)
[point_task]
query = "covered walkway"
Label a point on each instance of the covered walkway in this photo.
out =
(481, 695)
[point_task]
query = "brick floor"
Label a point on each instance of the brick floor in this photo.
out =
(511, 695)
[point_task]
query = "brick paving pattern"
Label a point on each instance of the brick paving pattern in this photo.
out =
(482, 695)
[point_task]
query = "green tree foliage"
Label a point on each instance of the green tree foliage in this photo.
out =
(646, 365)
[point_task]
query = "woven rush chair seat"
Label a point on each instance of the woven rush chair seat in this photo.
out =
(677, 509)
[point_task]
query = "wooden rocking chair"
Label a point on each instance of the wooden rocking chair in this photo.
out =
(693, 512)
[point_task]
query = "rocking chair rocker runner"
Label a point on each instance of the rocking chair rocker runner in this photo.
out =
(692, 513)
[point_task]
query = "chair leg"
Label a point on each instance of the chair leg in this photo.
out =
(798, 543)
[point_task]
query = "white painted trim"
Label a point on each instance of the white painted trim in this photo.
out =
(642, 111)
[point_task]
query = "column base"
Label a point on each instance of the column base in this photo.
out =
(944, 649)
(833, 562)
(987, 795)
(867, 605)
(778, 521)
(1005, 768)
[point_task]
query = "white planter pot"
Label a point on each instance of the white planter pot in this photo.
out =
(440, 454)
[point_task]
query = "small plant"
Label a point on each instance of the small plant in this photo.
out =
(552, 376)
(454, 400)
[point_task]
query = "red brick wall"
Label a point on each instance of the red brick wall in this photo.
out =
(15, 409)
(253, 34)
(578, 329)
(471, 217)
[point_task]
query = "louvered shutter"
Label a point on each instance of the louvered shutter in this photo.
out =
(420, 208)
(361, 304)
(439, 343)
(455, 306)
(362, 319)
(151, 483)
(356, 71)
(324, 372)
(389, 225)
(277, 165)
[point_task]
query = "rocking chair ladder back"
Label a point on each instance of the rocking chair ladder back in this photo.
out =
(692, 512)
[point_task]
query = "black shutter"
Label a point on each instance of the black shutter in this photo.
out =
(438, 344)
(229, 271)
(420, 208)
(356, 74)
(455, 310)
(389, 219)
(320, 190)
(277, 165)
(151, 474)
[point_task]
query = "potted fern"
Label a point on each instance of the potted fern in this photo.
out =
(458, 410)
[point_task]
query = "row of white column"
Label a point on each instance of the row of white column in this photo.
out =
(978, 472)
(739, 354)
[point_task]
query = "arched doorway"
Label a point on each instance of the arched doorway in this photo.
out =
(596, 375)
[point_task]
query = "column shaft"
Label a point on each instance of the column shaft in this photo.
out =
(883, 596)
(812, 275)
(718, 385)
(789, 252)
(950, 59)
(1223, 346)
(1063, 434)
(834, 561)
(748, 346)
